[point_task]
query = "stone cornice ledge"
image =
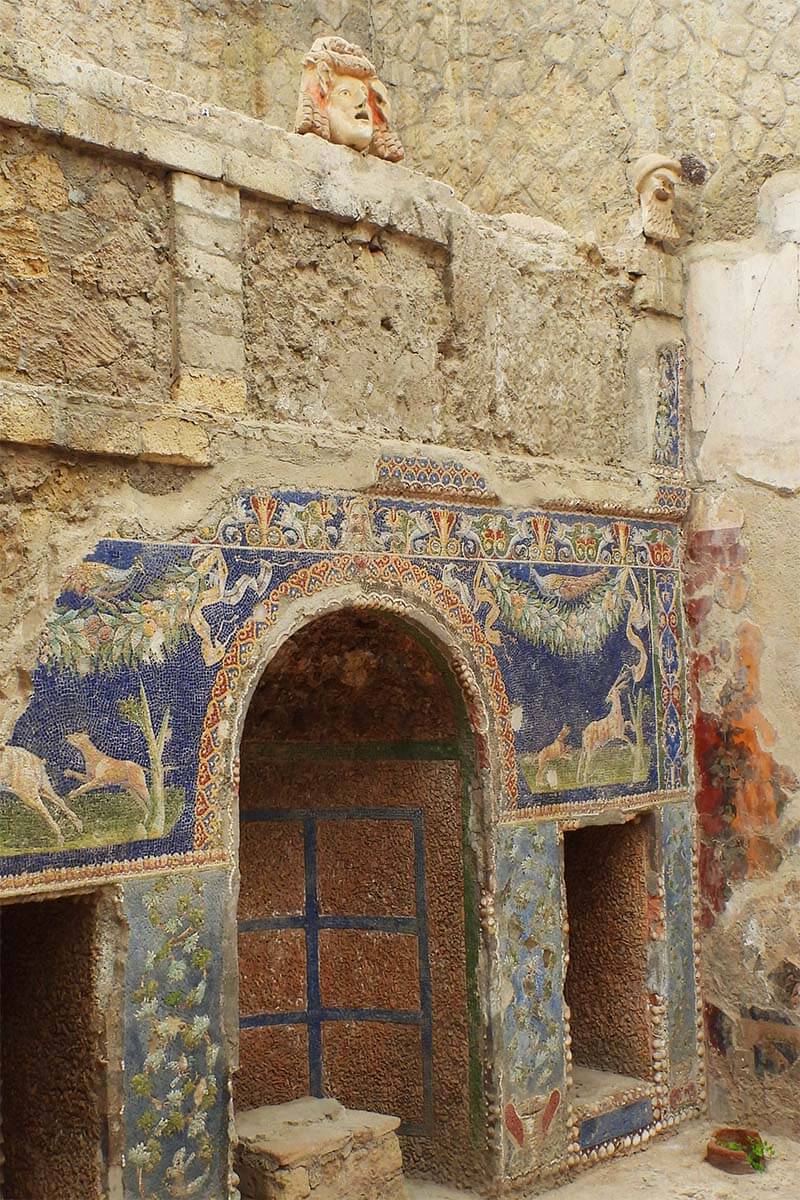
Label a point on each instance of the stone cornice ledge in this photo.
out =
(45, 90)
(270, 454)
(107, 425)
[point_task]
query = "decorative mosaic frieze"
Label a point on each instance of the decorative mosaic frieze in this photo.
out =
(673, 498)
(372, 524)
(668, 435)
(565, 628)
(399, 474)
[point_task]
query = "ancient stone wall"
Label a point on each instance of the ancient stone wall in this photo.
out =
(743, 582)
(334, 337)
(164, 337)
(535, 108)
(85, 265)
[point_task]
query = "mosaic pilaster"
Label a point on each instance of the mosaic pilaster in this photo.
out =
(176, 1096)
(531, 1001)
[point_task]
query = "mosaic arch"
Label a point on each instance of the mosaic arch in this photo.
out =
(566, 629)
(333, 585)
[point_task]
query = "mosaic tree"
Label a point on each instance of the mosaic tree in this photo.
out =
(137, 710)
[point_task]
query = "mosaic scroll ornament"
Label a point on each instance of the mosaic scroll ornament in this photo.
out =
(330, 523)
(671, 683)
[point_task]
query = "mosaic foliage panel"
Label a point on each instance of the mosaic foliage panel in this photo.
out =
(678, 838)
(176, 1097)
(572, 622)
(531, 1001)
(668, 434)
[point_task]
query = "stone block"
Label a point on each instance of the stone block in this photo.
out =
(100, 430)
(210, 268)
(147, 100)
(215, 352)
(48, 112)
(205, 196)
(659, 287)
(213, 234)
(174, 150)
(27, 418)
(319, 1150)
(172, 439)
(209, 308)
(88, 121)
(15, 102)
(278, 178)
(212, 393)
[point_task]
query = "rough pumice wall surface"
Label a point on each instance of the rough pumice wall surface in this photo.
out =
(533, 107)
(51, 1050)
(84, 269)
(371, 332)
(742, 603)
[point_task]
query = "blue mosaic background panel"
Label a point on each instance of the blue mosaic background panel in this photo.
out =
(575, 620)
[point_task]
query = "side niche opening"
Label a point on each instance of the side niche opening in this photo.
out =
(605, 869)
(357, 930)
(51, 1075)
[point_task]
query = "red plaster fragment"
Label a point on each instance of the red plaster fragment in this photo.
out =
(550, 1109)
(514, 1124)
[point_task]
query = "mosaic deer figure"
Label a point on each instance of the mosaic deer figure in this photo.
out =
(607, 729)
(24, 774)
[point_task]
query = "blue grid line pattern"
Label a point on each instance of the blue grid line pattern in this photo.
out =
(313, 922)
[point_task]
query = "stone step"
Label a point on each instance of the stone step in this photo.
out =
(318, 1150)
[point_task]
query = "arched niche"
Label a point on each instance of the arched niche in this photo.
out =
(364, 815)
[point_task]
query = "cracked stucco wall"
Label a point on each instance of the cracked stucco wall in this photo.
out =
(743, 577)
(534, 107)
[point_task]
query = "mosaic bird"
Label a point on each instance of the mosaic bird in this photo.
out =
(569, 587)
(101, 580)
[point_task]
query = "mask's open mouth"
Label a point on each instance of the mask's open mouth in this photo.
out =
(362, 115)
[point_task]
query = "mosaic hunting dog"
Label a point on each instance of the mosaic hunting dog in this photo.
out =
(103, 771)
(552, 753)
(25, 775)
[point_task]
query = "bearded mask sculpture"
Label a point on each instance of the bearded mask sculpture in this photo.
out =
(655, 177)
(343, 101)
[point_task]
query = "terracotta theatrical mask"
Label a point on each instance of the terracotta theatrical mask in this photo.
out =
(343, 101)
(655, 177)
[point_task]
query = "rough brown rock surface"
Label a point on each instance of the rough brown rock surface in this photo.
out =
(84, 272)
(318, 1150)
